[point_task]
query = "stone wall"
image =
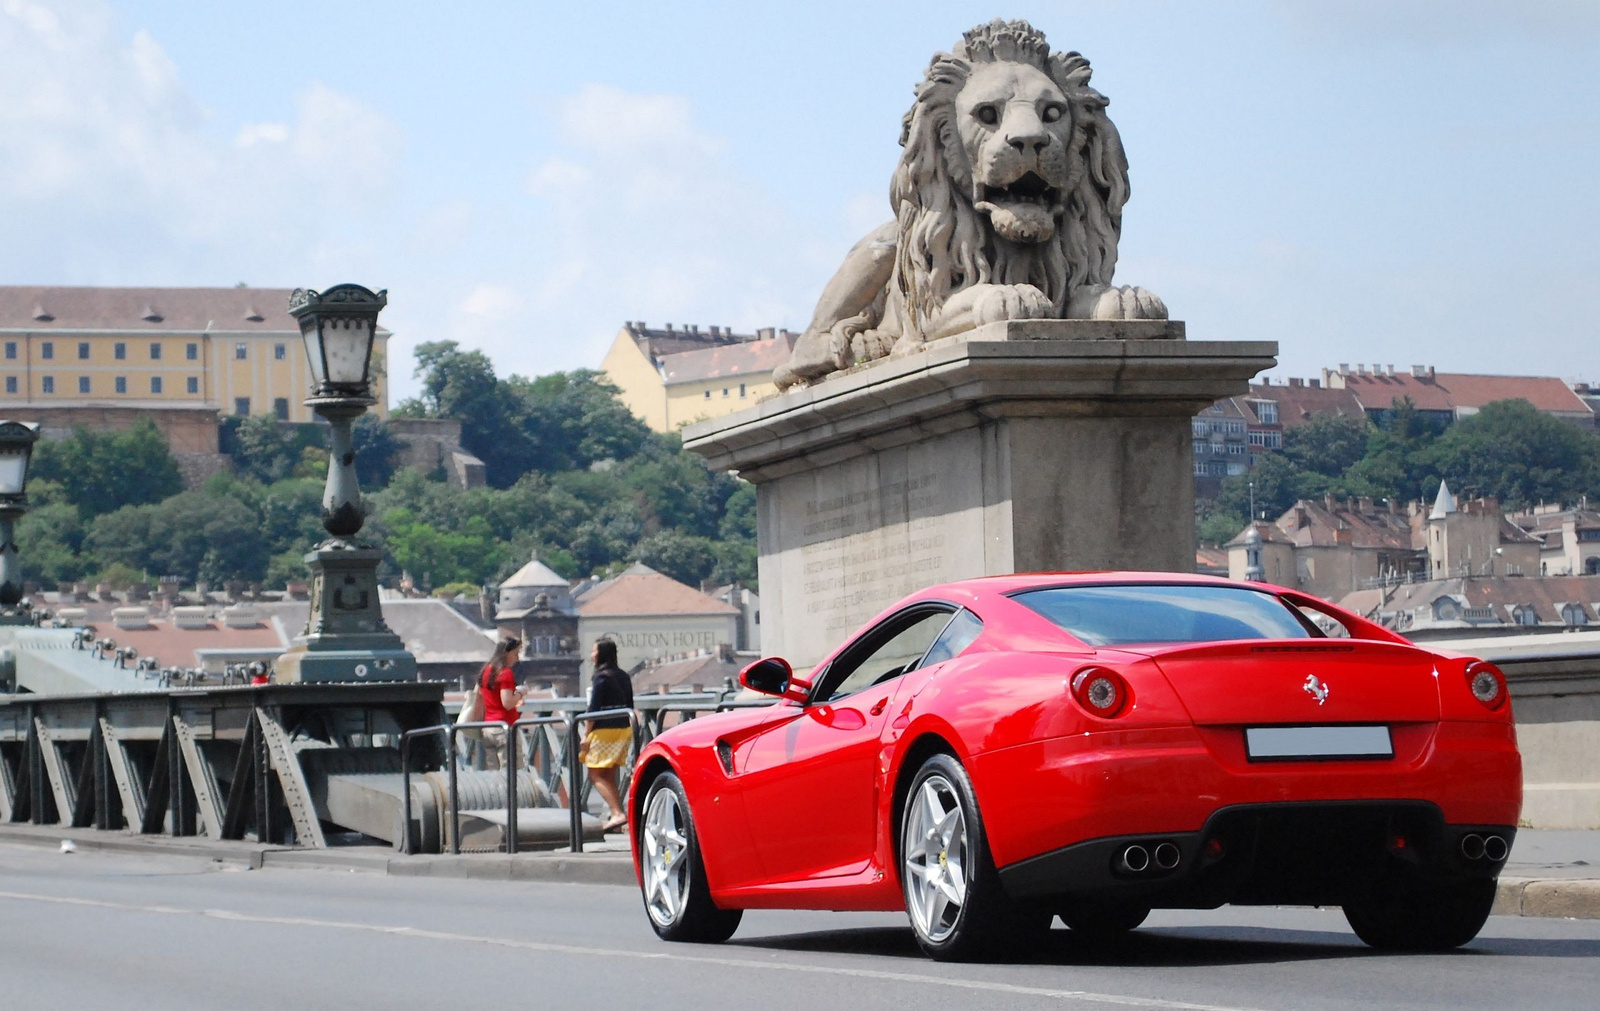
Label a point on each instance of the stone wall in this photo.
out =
(187, 429)
(427, 442)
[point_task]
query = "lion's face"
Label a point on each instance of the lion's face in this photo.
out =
(1015, 127)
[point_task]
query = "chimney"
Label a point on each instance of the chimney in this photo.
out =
(1361, 368)
(1430, 372)
(716, 331)
(669, 327)
(1315, 384)
(1391, 371)
(766, 333)
(1418, 371)
(694, 327)
(1297, 382)
(1344, 367)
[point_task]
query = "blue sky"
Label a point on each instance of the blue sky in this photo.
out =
(1361, 181)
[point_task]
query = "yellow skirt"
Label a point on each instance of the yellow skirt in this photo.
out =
(608, 747)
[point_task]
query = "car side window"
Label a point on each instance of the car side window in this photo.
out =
(957, 636)
(908, 639)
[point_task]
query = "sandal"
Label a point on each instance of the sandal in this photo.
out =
(614, 823)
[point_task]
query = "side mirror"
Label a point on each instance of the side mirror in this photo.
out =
(774, 676)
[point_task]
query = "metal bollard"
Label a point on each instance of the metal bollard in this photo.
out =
(574, 786)
(511, 789)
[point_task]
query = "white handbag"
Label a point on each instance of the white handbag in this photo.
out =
(471, 712)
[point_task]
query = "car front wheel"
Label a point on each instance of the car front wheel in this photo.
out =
(958, 908)
(674, 877)
(1435, 917)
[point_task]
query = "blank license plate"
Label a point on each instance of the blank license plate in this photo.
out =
(1318, 742)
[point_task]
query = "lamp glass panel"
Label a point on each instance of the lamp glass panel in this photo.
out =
(13, 470)
(347, 343)
(312, 335)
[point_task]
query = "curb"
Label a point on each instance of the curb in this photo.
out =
(1569, 898)
(602, 868)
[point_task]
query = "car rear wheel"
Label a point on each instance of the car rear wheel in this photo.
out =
(1423, 918)
(958, 908)
(1102, 921)
(674, 878)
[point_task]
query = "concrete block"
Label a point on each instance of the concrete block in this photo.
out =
(1579, 898)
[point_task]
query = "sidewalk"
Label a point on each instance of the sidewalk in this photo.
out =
(1550, 872)
(602, 863)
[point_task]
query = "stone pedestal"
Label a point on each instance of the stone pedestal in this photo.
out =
(345, 637)
(1023, 446)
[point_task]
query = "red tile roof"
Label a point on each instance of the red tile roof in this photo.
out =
(175, 647)
(125, 309)
(731, 361)
(1446, 391)
(643, 591)
(1299, 404)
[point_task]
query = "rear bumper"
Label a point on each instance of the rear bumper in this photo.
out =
(1042, 796)
(1319, 853)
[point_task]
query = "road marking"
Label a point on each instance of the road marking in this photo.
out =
(1086, 996)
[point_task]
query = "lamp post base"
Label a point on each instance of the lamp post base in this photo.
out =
(345, 637)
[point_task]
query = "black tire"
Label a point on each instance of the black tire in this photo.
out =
(1435, 917)
(1102, 921)
(692, 916)
(988, 923)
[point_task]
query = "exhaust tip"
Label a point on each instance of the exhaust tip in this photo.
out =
(1167, 856)
(1495, 848)
(1136, 858)
(1472, 846)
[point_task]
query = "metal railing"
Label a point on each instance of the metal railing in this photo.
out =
(554, 760)
(569, 765)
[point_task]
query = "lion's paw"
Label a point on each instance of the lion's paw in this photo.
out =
(1107, 302)
(992, 303)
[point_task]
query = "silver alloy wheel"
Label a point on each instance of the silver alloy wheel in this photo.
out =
(665, 858)
(935, 859)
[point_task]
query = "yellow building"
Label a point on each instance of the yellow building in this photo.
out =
(75, 355)
(673, 377)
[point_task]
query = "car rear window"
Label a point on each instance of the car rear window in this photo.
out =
(1155, 613)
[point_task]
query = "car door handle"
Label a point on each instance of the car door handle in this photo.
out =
(877, 710)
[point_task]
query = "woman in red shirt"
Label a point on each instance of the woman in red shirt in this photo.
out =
(502, 698)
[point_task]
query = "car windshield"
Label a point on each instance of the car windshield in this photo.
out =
(1154, 613)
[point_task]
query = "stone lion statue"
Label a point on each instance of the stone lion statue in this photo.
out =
(1008, 205)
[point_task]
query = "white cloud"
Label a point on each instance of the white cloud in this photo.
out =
(491, 301)
(101, 142)
(643, 217)
(261, 133)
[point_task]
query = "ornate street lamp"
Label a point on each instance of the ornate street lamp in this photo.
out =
(16, 450)
(345, 638)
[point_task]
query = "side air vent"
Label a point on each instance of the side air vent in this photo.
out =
(725, 755)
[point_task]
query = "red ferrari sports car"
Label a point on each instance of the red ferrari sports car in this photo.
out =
(991, 753)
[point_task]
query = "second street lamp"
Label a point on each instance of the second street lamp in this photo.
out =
(345, 638)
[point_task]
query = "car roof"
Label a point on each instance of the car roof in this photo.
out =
(1019, 581)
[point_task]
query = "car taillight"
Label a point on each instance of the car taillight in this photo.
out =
(1100, 691)
(1488, 685)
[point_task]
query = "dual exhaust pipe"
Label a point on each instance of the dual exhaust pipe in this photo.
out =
(1137, 859)
(1492, 848)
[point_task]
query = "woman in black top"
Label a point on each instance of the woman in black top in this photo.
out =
(607, 742)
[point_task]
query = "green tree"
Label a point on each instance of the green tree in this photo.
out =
(1274, 485)
(1515, 453)
(376, 449)
(1327, 443)
(684, 557)
(1396, 464)
(263, 449)
(101, 471)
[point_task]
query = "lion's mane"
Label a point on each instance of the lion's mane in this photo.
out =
(944, 244)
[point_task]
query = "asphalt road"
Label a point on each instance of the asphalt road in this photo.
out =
(115, 931)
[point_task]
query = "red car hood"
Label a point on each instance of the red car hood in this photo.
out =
(1293, 681)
